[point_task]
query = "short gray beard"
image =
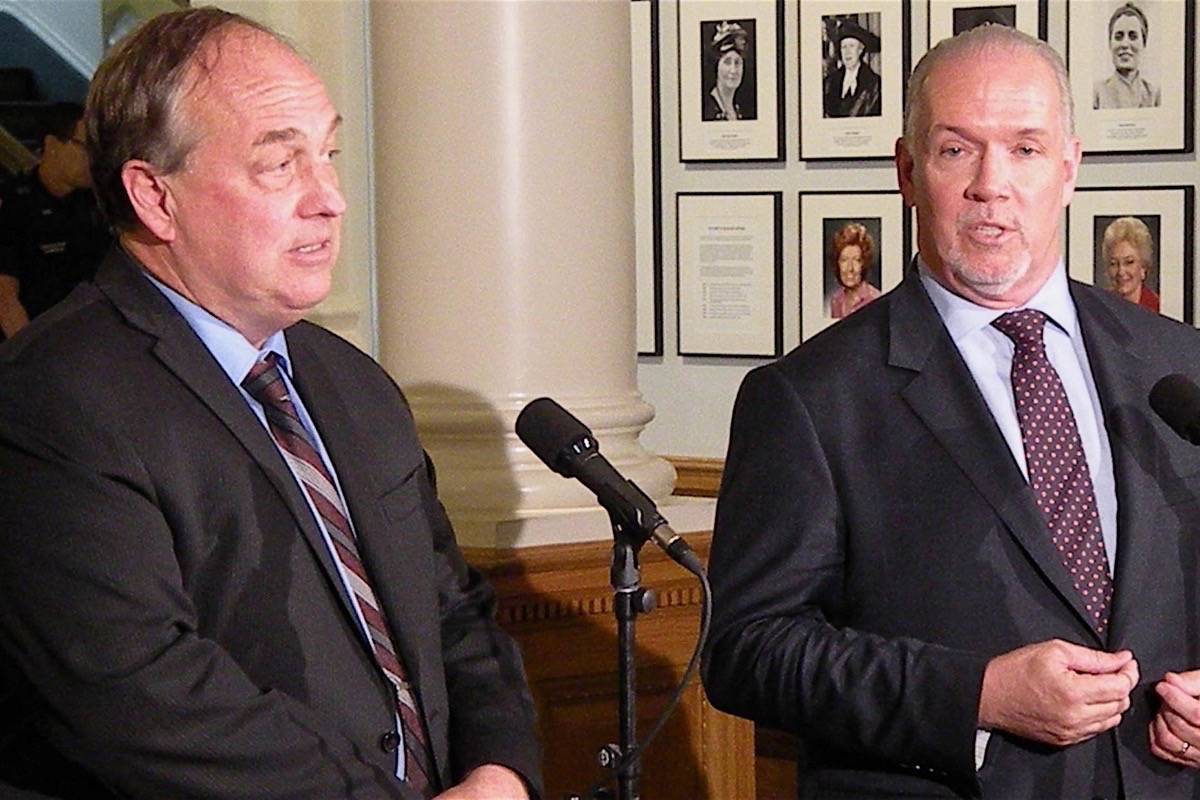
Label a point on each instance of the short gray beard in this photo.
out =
(988, 283)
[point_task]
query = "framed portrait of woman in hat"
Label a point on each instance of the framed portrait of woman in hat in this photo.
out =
(853, 61)
(1132, 64)
(730, 79)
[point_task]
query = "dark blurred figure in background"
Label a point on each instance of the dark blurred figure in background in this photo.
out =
(52, 236)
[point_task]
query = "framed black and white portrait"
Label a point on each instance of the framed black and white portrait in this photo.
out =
(730, 80)
(730, 273)
(853, 248)
(946, 18)
(854, 58)
(1137, 243)
(1131, 67)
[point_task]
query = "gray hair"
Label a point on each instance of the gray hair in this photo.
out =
(134, 104)
(975, 42)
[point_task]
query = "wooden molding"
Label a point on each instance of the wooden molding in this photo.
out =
(698, 477)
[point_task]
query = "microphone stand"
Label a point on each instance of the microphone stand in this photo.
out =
(629, 600)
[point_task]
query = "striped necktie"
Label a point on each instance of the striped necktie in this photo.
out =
(1058, 470)
(265, 384)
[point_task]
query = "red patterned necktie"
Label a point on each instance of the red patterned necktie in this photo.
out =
(265, 384)
(1058, 470)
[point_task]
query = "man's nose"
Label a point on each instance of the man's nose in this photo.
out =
(991, 179)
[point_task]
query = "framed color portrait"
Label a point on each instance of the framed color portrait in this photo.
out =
(730, 275)
(946, 18)
(1131, 65)
(730, 80)
(1137, 243)
(854, 57)
(853, 248)
(647, 176)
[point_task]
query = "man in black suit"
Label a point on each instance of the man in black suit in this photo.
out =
(853, 90)
(224, 571)
(888, 582)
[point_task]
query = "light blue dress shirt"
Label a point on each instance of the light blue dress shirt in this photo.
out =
(234, 353)
(989, 353)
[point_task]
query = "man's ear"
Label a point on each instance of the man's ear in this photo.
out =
(149, 195)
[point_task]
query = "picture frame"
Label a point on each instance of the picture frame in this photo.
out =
(1126, 216)
(852, 111)
(647, 175)
(1132, 75)
(946, 18)
(730, 274)
(840, 231)
(730, 108)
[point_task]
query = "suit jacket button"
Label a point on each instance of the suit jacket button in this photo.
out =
(389, 742)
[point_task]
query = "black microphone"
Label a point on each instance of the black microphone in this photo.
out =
(1177, 401)
(567, 446)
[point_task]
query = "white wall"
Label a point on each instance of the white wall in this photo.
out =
(694, 397)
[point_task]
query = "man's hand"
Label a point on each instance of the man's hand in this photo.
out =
(488, 782)
(1057, 692)
(1175, 730)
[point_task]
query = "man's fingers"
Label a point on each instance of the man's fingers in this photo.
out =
(1179, 702)
(1098, 689)
(1167, 745)
(1096, 662)
(1188, 682)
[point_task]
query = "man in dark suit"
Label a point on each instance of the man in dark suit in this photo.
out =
(955, 550)
(225, 572)
(853, 90)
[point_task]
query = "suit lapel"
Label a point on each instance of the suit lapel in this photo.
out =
(381, 547)
(183, 354)
(943, 394)
(1122, 373)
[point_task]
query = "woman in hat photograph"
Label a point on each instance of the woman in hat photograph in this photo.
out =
(853, 88)
(725, 74)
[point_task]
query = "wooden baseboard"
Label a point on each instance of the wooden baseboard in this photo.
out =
(697, 477)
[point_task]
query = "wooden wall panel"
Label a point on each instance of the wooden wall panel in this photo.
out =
(557, 602)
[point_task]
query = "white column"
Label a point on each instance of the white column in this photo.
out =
(504, 218)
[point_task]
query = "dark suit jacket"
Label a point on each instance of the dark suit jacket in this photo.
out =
(876, 544)
(170, 620)
(864, 101)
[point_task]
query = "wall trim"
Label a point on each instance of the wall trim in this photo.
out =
(697, 477)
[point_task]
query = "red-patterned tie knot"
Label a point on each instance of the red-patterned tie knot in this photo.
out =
(1024, 327)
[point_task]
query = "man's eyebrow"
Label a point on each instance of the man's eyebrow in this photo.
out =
(289, 134)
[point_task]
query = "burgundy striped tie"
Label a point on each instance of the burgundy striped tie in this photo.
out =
(1058, 470)
(265, 384)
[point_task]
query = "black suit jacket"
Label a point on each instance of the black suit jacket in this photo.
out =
(171, 622)
(876, 544)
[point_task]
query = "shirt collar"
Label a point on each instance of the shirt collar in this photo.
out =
(963, 318)
(231, 350)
